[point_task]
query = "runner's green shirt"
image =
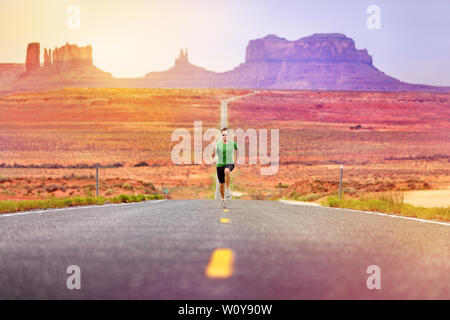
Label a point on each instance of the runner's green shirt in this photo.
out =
(225, 152)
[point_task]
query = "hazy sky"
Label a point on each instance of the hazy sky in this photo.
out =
(132, 37)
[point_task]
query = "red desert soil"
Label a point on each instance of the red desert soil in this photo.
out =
(386, 141)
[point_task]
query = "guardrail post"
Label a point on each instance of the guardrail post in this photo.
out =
(340, 181)
(96, 174)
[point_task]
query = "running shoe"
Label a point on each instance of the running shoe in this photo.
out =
(228, 194)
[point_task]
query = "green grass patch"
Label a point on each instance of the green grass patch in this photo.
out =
(310, 197)
(23, 205)
(391, 203)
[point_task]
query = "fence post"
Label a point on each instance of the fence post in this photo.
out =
(340, 182)
(96, 173)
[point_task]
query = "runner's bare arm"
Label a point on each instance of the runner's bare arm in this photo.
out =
(215, 158)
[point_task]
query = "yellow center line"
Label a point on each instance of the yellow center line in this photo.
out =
(220, 264)
(225, 210)
(224, 220)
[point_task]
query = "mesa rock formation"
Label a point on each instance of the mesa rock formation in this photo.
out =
(328, 61)
(332, 47)
(183, 74)
(69, 65)
(68, 57)
(32, 60)
(317, 62)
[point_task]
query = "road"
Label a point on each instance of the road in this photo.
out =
(164, 250)
(224, 107)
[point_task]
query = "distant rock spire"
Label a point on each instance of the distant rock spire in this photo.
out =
(47, 57)
(32, 61)
(182, 58)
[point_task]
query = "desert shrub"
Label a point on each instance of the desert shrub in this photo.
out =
(296, 196)
(257, 196)
(115, 199)
(380, 188)
(81, 166)
(72, 176)
(8, 206)
(389, 203)
(312, 197)
(91, 200)
(79, 201)
(52, 202)
(4, 179)
(124, 198)
(148, 185)
(320, 188)
(87, 192)
(350, 191)
(141, 164)
(52, 188)
(148, 191)
(109, 192)
(127, 186)
(333, 201)
(390, 185)
(137, 197)
(116, 165)
(27, 205)
(394, 199)
(155, 196)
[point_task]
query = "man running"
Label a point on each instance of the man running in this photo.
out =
(225, 164)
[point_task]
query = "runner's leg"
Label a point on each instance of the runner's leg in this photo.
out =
(222, 190)
(221, 179)
(227, 177)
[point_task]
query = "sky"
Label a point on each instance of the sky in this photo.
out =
(130, 38)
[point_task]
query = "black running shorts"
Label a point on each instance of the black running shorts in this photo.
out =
(221, 172)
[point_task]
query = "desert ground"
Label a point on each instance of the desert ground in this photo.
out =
(385, 141)
(50, 142)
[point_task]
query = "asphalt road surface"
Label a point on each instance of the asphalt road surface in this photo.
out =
(262, 250)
